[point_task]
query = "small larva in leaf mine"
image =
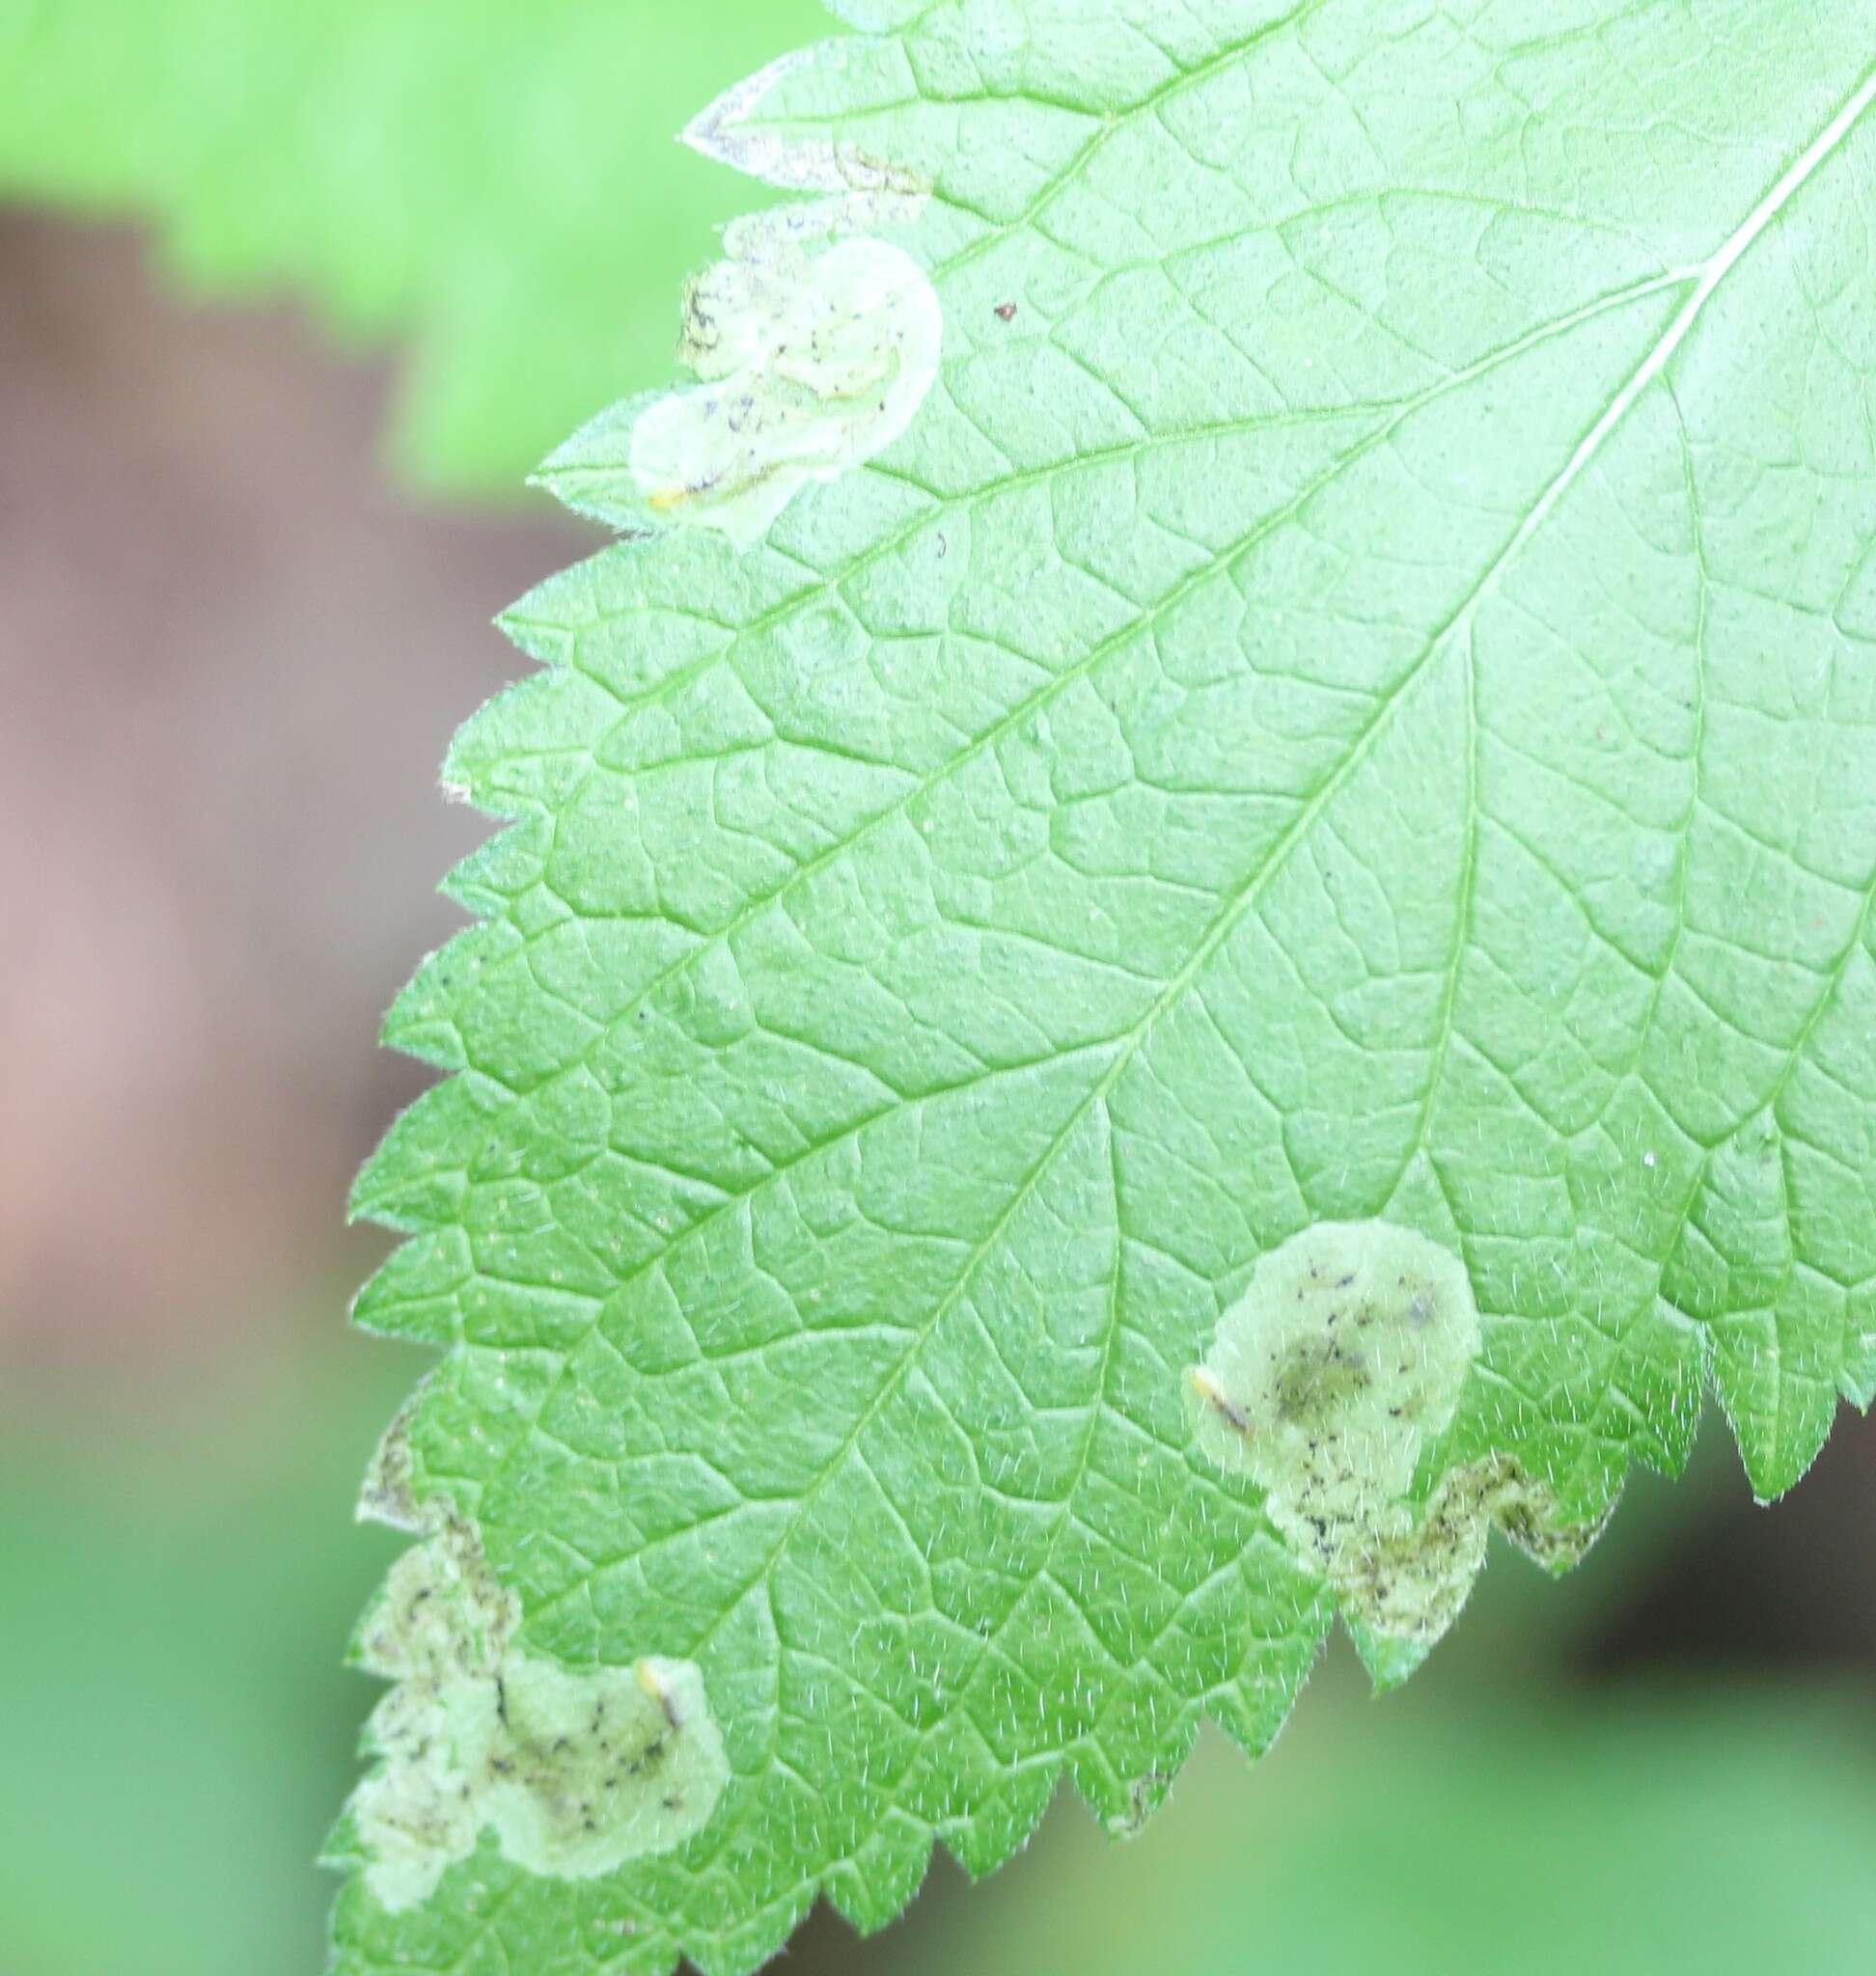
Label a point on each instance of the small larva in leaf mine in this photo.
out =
(1329, 1382)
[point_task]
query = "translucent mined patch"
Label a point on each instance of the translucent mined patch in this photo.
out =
(809, 363)
(574, 1770)
(1325, 1384)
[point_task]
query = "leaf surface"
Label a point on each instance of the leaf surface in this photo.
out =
(1350, 701)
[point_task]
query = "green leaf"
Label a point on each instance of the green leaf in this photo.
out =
(1145, 976)
(491, 182)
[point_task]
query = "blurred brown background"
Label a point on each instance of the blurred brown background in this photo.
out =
(232, 653)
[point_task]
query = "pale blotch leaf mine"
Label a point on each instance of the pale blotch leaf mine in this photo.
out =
(809, 363)
(575, 1771)
(813, 343)
(1327, 1384)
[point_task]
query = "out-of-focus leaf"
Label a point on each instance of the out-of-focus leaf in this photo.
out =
(492, 183)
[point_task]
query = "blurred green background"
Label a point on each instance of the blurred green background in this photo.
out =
(293, 293)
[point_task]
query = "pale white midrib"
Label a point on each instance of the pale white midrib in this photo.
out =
(1710, 274)
(1707, 277)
